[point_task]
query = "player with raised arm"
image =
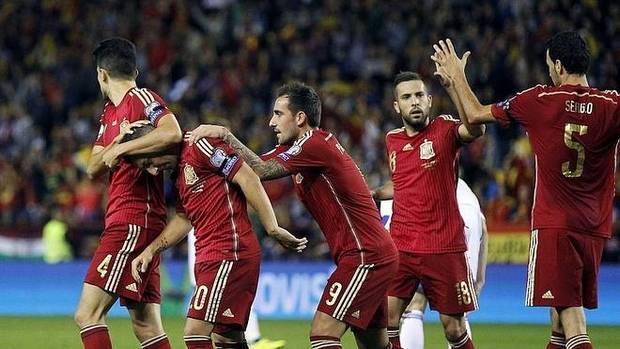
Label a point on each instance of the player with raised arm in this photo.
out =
(412, 326)
(573, 129)
(331, 186)
(426, 226)
(213, 184)
(136, 211)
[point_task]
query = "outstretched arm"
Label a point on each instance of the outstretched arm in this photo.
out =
(256, 196)
(266, 170)
(445, 56)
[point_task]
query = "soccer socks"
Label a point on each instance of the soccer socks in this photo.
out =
(581, 341)
(412, 330)
(197, 342)
(394, 337)
(463, 342)
(252, 331)
(95, 337)
(325, 342)
(556, 341)
(242, 345)
(157, 342)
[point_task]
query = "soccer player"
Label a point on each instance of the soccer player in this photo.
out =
(573, 129)
(426, 226)
(411, 330)
(136, 211)
(252, 331)
(333, 189)
(213, 184)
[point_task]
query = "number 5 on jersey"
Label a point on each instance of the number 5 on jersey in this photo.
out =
(573, 144)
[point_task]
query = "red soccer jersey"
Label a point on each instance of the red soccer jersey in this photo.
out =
(134, 196)
(426, 216)
(216, 207)
(332, 188)
(573, 131)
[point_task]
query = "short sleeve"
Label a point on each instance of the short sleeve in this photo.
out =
(517, 108)
(151, 106)
(306, 153)
(179, 205)
(217, 156)
(452, 126)
(273, 152)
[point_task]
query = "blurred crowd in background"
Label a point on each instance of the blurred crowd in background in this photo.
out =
(218, 59)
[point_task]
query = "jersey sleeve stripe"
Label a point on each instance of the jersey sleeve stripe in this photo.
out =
(149, 95)
(137, 93)
(205, 143)
(204, 149)
(304, 138)
(585, 94)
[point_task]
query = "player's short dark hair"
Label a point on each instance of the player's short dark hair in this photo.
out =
(302, 97)
(137, 133)
(405, 76)
(118, 57)
(570, 48)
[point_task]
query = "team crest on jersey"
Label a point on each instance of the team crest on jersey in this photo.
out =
(218, 157)
(190, 175)
(152, 111)
(426, 150)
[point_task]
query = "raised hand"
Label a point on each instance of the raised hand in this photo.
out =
(140, 264)
(445, 57)
(213, 131)
(288, 240)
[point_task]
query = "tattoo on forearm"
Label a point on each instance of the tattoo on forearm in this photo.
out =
(271, 169)
(163, 244)
(248, 156)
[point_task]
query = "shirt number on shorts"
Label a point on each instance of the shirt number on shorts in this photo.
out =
(334, 291)
(463, 293)
(102, 268)
(200, 296)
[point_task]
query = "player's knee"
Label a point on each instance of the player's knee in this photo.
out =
(144, 330)
(454, 327)
(83, 317)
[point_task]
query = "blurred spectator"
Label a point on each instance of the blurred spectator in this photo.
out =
(56, 249)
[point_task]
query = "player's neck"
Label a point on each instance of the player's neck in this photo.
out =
(303, 130)
(574, 79)
(118, 90)
(412, 131)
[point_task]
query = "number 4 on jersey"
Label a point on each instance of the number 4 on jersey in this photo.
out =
(102, 268)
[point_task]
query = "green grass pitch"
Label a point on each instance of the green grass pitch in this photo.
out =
(61, 333)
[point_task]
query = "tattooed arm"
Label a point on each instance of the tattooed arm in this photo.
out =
(178, 227)
(266, 170)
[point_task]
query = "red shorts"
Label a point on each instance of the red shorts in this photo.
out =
(446, 278)
(110, 268)
(357, 293)
(563, 269)
(225, 290)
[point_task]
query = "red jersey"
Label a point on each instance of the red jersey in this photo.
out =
(424, 167)
(134, 196)
(573, 131)
(332, 188)
(216, 207)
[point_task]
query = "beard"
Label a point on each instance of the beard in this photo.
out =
(417, 122)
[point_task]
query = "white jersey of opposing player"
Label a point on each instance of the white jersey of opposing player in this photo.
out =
(191, 255)
(472, 217)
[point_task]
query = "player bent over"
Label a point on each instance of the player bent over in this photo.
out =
(332, 188)
(213, 184)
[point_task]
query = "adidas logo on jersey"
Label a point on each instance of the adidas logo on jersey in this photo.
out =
(228, 313)
(548, 295)
(132, 287)
(356, 314)
(407, 147)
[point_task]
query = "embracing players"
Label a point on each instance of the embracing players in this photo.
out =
(333, 189)
(136, 211)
